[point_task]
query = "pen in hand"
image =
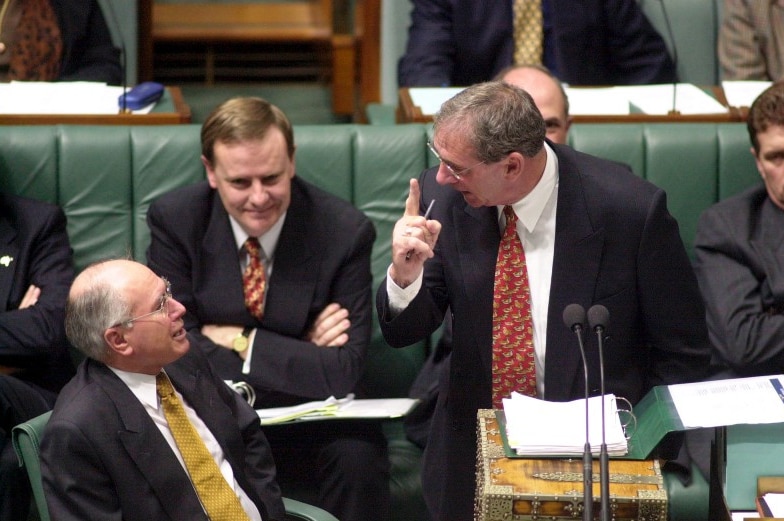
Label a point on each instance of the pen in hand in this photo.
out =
(427, 216)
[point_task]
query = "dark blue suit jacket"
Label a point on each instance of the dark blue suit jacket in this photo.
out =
(323, 256)
(102, 457)
(615, 245)
(597, 42)
(34, 249)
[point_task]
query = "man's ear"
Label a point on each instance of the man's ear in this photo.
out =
(115, 339)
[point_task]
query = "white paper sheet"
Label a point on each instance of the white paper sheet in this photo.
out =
(658, 99)
(756, 400)
(79, 97)
(334, 409)
(743, 93)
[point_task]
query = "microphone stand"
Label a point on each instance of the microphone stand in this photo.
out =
(574, 316)
(598, 316)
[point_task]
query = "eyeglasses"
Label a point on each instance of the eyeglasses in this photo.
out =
(163, 308)
(456, 173)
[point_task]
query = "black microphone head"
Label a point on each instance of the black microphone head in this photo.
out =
(574, 316)
(598, 317)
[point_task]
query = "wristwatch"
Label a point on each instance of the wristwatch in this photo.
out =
(240, 343)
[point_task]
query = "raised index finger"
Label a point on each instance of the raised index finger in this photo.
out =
(412, 202)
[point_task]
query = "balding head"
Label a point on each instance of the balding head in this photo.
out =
(548, 94)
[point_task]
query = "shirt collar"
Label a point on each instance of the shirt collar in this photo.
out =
(268, 241)
(141, 385)
(529, 209)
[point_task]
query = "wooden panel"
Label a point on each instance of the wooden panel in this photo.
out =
(286, 21)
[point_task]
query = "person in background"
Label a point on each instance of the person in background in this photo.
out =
(145, 430)
(520, 220)
(751, 40)
(739, 259)
(551, 100)
(585, 42)
(56, 40)
(36, 271)
(276, 277)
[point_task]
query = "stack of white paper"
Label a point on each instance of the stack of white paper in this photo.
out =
(540, 428)
(336, 409)
(79, 97)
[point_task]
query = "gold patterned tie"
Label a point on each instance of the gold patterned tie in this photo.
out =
(218, 498)
(514, 368)
(528, 31)
(254, 280)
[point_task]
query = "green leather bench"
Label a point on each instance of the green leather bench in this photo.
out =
(106, 177)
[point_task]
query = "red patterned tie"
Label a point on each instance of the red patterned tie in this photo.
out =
(254, 280)
(514, 368)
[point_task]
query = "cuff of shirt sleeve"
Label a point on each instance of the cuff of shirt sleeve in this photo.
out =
(400, 298)
(251, 343)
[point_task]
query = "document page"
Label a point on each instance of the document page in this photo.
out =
(78, 97)
(755, 400)
(336, 409)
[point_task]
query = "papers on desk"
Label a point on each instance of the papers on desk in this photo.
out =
(430, 99)
(743, 93)
(338, 409)
(79, 97)
(614, 101)
(540, 428)
(646, 99)
(756, 400)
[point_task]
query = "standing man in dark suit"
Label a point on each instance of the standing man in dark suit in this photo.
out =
(36, 271)
(740, 255)
(310, 340)
(592, 233)
(111, 448)
(584, 42)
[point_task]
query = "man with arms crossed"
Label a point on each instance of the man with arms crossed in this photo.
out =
(301, 336)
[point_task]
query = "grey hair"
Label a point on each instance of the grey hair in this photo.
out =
(495, 118)
(91, 312)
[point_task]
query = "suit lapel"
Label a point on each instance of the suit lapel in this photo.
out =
(477, 238)
(768, 243)
(148, 449)
(9, 253)
(576, 262)
(296, 269)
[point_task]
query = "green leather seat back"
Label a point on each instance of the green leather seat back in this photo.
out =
(29, 162)
(384, 161)
(163, 158)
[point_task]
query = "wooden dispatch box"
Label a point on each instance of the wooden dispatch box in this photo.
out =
(523, 489)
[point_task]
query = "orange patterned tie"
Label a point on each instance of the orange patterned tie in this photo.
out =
(528, 31)
(219, 500)
(514, 368)
(254, 280)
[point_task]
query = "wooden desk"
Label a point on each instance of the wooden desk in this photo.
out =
(170, 110)
(407, 112)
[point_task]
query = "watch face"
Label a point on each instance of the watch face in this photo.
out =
(240, 343)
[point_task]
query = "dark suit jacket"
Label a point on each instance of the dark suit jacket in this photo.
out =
(34, 249)
(323, 256)
(597, 42)
(615, 245)
(88, 51)
(740, 267)
(102, 457)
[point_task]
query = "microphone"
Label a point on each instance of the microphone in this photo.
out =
(598, 318)
(574, 318)
(124, 55)
(671, 36)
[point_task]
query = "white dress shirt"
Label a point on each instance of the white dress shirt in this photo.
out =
(536, 229)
